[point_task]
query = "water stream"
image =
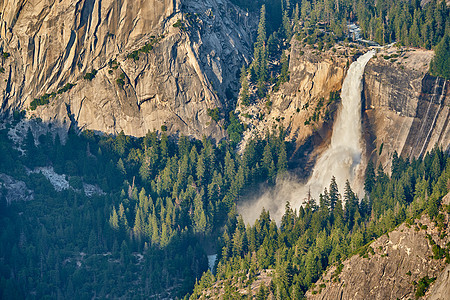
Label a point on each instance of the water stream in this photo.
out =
(342, 158)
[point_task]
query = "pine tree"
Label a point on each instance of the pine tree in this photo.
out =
(138, 228)
(333, 193)
(200, 168)
(155, 229)
(282, 158)
(287, 26)
(230, 170)
(114, 219)
(267, 157)
(440, 64)
(122, 217)
(369, 181)
(121, 166)
(199, 216)
(262, 35)
(30, 148)
(351, 204)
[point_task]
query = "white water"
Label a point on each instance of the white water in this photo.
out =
(341, 159)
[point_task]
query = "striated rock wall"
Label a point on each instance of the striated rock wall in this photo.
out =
(441, 288)
(406, 110)
(191, 67)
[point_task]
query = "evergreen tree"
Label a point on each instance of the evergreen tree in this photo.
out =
(114, 219)
(369, 181)
(440, 64)
(199, 216)
(333, 193)
(282, 158)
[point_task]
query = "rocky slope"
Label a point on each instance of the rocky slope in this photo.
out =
(194, 50)
(303, 105)
(406, 110)
(14, 190)
(393, 266)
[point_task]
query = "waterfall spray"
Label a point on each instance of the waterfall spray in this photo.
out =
(341, 159)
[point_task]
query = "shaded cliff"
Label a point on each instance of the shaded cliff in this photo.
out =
(407, 110)
(393, 265)
(135, 66)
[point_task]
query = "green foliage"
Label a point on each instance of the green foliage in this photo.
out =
(18, 115)
(422, 286)
(146, 48)
(310, 239)
(321, 24)
(65, 88)
(161, 195)
(76, 182)
(234, 129)
(259, 66)
(369, 181)
(121, 80)
(45, 99)
(5, 55)
(113, 64)
(180, 24)
(91, 75)
(440, 64)
(214, 114)
(284, 75)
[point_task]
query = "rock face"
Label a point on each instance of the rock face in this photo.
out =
(441, 288)
(313, 76)
(14, 190)
(398, 259)
(194, 51)
(406, 110)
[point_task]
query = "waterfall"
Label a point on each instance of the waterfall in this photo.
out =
(341, 159)
(343, 156)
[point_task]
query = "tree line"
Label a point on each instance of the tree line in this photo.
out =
(327, 230)
(165, 198)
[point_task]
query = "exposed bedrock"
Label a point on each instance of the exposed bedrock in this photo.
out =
(195, 51)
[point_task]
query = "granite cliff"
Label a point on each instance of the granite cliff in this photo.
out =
(123, 65)
(406, 110)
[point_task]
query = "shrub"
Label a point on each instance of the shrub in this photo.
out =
(91, 75)
(422, 285)
(214, 114)
(121, 80)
